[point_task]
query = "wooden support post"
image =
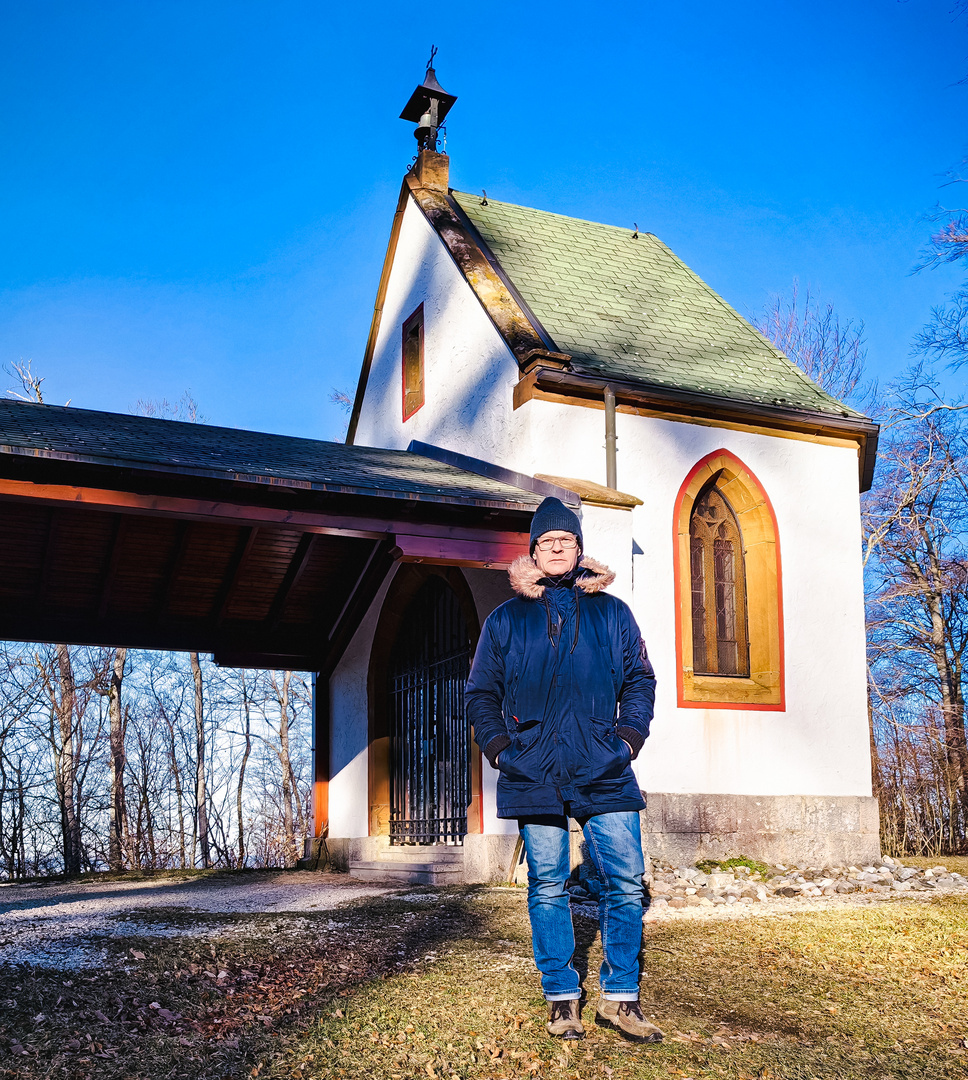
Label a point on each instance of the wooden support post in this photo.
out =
(321, 737)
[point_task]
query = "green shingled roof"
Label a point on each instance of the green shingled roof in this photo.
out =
(630, 309)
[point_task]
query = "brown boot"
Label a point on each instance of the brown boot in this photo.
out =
(626, 1017)
(564, 1020)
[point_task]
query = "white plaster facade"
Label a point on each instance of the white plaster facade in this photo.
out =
(818, 746)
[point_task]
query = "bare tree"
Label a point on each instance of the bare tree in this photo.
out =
(916, 524)
(176, 779)
(18, 766)
(281, 689)
(117, 810)
(344, 401)
(66, 749)
(946, 334)
(30, 382)
(184, 409)
(246, 753)
(829, 350)
(201, 799)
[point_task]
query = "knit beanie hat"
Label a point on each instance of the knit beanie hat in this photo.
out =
(553, 516)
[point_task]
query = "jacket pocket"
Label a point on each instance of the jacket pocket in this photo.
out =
(519, 761)
(608, 754)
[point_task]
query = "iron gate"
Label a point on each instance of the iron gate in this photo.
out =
(430, 783)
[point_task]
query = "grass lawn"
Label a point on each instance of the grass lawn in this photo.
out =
(441, 988)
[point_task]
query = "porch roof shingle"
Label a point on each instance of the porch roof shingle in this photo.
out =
(176, 447)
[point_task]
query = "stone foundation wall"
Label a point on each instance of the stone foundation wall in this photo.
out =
(684, 829)
(342, 849)
(790, 829)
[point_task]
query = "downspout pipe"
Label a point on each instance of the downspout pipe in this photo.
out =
(611, 448)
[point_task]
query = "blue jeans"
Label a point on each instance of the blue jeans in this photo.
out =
(615, 846)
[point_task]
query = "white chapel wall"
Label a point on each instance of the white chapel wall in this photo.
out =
(469, 372)
(349, 812)
(819, 745)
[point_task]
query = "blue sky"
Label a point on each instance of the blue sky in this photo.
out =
(198, 195)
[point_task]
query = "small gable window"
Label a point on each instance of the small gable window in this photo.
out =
(413, 363)
(718, 579)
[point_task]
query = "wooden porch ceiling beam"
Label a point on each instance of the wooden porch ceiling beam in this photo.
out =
(47, 558)
(172, 569)
(243, 546)
(495, 553)
(356, 526)
(294, 571)
(363, 593)
(22, 623)
(111, 570)
(266, 661)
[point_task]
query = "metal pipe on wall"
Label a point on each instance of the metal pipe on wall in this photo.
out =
(611, 448)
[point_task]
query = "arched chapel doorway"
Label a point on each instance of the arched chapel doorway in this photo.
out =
(424, 771)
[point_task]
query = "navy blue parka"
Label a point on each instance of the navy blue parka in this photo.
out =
(559, 684)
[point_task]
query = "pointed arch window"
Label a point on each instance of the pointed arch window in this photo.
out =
(720, 640)
(729, 594)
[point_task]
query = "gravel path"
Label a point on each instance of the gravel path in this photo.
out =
(65, 924)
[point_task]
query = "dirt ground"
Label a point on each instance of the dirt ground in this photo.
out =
(295, 974)
(65, 925)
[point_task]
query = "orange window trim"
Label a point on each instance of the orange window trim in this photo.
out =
(764, 690)
(412, 367)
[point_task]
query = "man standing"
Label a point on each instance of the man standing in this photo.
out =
(560, 695)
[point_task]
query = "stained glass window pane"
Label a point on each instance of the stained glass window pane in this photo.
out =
(719, 630)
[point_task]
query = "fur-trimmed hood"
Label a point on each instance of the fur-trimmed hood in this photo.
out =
(526, 577)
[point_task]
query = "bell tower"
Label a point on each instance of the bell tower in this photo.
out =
(428, 107)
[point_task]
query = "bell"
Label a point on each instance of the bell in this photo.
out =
(426, 132)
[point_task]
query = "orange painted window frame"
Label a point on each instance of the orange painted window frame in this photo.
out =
(764, 690)
(416, 318)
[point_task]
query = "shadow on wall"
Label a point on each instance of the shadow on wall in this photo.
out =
(459, 407)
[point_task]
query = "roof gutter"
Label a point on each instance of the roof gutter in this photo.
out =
(687, 404)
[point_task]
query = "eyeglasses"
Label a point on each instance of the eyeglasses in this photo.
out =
(546, 543)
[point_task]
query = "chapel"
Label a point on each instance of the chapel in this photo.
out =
(717, 481)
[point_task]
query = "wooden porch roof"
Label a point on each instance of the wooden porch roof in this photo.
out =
(262, 549)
